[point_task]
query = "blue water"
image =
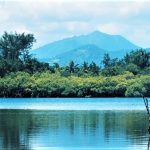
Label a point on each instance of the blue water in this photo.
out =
(73, 103)
(73, 124)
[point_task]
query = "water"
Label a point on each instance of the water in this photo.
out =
(73, 104)
(119, 124)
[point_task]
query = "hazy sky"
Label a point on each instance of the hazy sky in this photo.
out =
(50, 20)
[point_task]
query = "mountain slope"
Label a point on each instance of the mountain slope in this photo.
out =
(86, 53)
(101, 40)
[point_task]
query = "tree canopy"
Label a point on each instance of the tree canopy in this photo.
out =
(22, 75)
(14, 54)
(14, 46)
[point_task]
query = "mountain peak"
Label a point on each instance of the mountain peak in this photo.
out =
(111, 43)
(97, 33)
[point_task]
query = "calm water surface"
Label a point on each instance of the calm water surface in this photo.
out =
(73, 124)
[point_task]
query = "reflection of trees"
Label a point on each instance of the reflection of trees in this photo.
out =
(130, 123)
(10, 130)
(17, 126)
(135, 124)
(109, 123)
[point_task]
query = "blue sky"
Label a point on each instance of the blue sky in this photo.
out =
(51, 20)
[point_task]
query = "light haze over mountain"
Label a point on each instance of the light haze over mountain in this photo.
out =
(90, 47)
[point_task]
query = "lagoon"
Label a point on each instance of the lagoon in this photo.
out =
(72, 103)
(73, 124)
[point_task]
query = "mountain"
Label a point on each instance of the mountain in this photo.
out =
(88, 53)
(115, 44)
(148, 49)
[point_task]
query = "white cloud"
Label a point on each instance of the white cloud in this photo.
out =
(111, 28)
(51, 20)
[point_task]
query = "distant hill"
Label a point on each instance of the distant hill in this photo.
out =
(148, 49)
(86, 53)
(68, 48)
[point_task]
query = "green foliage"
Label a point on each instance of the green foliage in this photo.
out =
(12, 46)
(46, 84)
(94, 69)
(33, 65)
(112, 71)
(85, 67)
(24, 76)
(132, 68)
(65, 73)
(106, 60)
(141, 58)
(139, 87)
(14, 54)
(72, 67)
(137, 62)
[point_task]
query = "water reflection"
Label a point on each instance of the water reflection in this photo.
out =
(25, 130)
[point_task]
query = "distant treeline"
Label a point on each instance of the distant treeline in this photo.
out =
(21, 75)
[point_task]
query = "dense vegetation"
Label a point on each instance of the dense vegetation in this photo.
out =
(21, 75)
